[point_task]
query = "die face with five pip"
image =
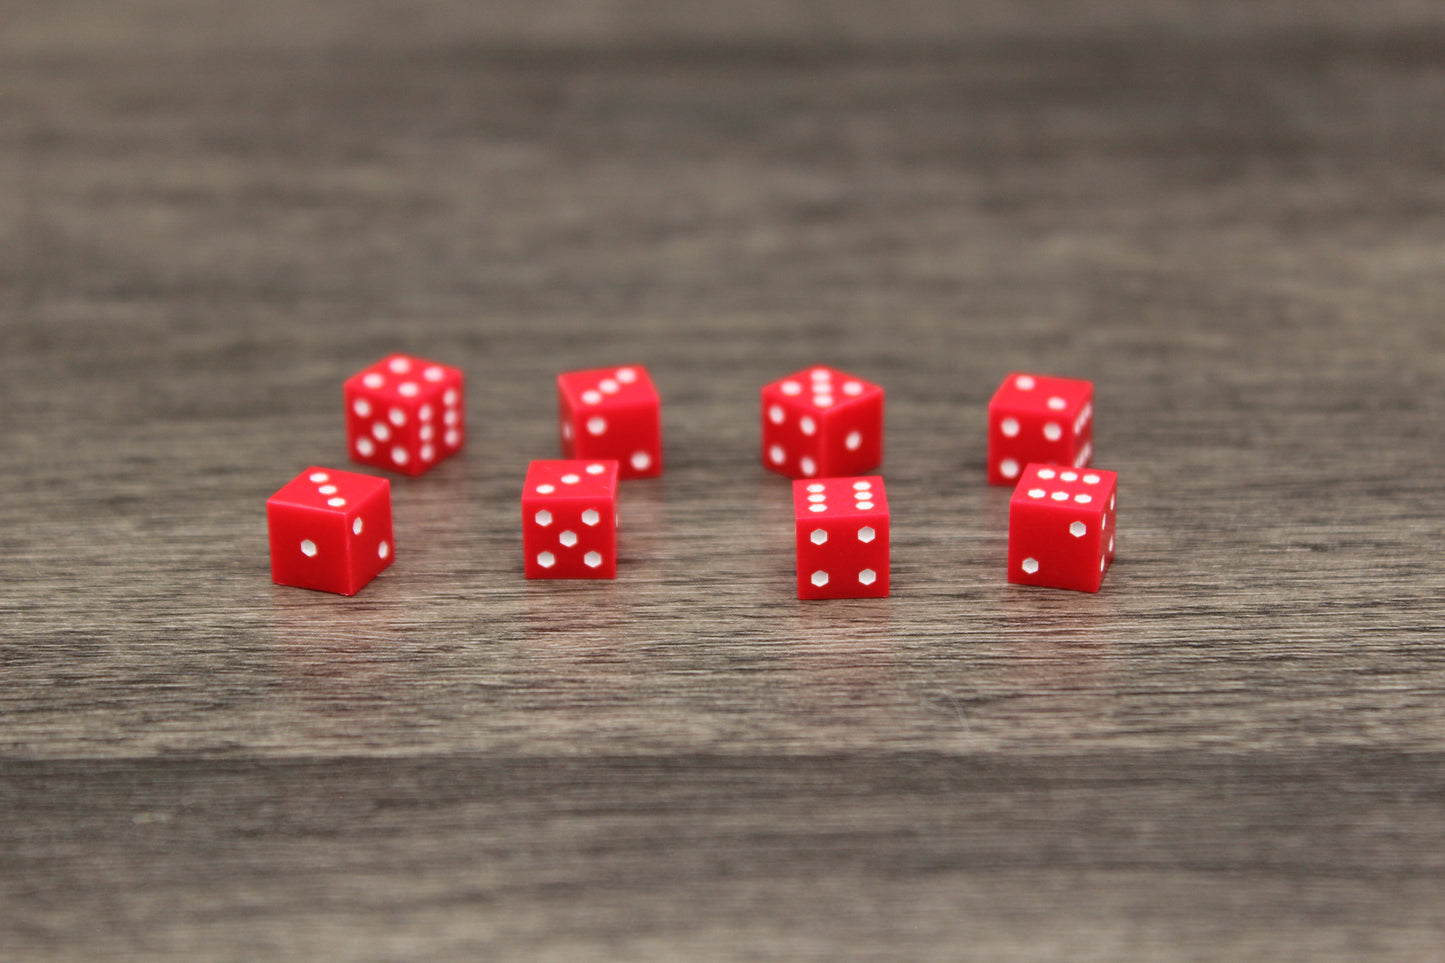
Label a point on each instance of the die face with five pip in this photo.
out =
(842, 537)
(1061, 527)
(330, 530)
(612, 413)
(404, 414)
(569, 519)
(1038, 418)
(822, 422)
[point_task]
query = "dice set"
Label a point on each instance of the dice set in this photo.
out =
(331, 530)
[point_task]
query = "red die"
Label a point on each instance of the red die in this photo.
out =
(404, 413)
(569, 519)
(330, 530)
(822, 421)
(1061, 527)
(842, 532)
(612, 413)
(1038, 418)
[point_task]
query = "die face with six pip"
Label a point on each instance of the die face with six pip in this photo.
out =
(842, 537)
(822, 422)
(612, 413)
(1061, 527)
(404, 414)
(330, 530)
(1038, 418)
(569, 519)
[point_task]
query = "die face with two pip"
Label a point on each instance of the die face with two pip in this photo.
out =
(612, 413)
(822, 422)
(1061, 527)
(330, 530)
(842, 537)
(404, 414)
(569, 519)
(1038, 418)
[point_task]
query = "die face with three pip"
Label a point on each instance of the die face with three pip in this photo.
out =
(612, 413)
(1038, 418)
(330, 530)
(405, 414)
(842, 537)
(569, 519)
(1061, 527)
(822, 422)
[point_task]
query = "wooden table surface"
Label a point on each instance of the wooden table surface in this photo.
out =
(1231, 217)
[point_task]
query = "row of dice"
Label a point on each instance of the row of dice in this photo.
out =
(824, 422)
(331, 530)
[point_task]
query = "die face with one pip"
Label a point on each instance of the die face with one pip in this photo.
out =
(1061, 527)
(612, 413)
(822, 422)
(842, 537)
(330, 530)
(1037, 418)
(404, 414)
(569, 519)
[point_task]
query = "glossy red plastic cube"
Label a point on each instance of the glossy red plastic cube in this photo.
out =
(612, 413)
(569, 519)
(822, 422)
(842, 537)
(330, 530)
(1061, 527)
(1038, 418)
(405, 414)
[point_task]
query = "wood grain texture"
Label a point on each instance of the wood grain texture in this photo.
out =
(1234, 226)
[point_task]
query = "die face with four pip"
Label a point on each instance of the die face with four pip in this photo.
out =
(1038, 418)
(842, 537)
(330, 530)
(822, 422)
(1061, 527)
(612, 413)
(404, 414)
(569, 519)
